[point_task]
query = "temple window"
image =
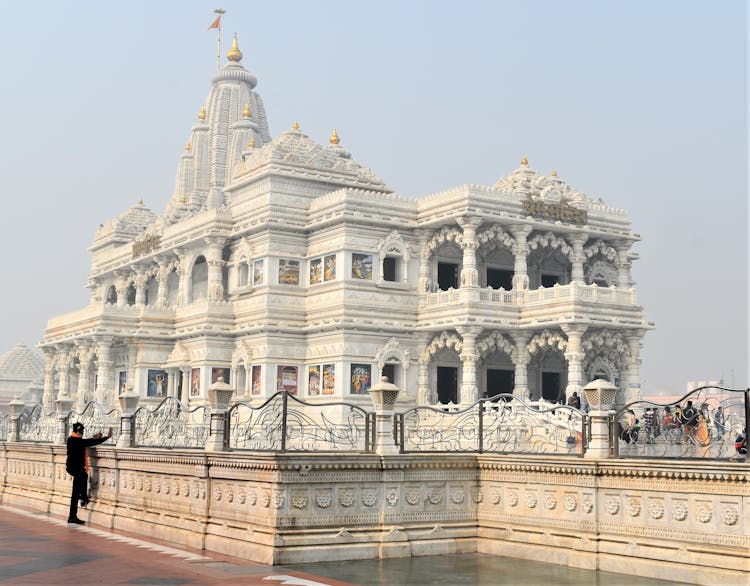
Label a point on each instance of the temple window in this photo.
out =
(243, 274)
(130, 294)
(152, 289)
(499, 278)
(199, 279)
(173, 287)
(549, 280)
(111, 298)
(390, 266)
(447, 276)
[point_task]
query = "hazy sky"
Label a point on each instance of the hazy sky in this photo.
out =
(641, 103)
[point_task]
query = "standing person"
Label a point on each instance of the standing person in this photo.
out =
(574, 400)
(648, 424)
(719, 423)
(689, 421)
(77, 465)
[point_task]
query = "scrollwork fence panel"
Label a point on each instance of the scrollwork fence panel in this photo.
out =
(97, 418)
(171, 425)
(501, 424)
(285, 423)
(37, 426)
(703, 424)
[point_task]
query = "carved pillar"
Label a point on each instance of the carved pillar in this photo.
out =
(578, 257)
(520, 252)
(85, 360)
(424, 261)
(633, 376)
(574, 356)
(48, 395)
(623, 265)
(469, 272)
(184, 277)
(423, 376)
(215, 265)
(469, 359)
(140, 280)
(162, 276)
(104, 382)
(521, 386)
(122, 282)
(185, 395)
(64, 360)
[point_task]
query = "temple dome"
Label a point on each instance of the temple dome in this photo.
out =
(526, 181)
(21, 363)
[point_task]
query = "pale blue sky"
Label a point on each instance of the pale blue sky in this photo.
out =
(641, 103)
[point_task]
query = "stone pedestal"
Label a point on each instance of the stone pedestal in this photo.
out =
(220, 395)
(598, 447)
(16, 408)
(128, 405)
(62, 407)
(383, 396)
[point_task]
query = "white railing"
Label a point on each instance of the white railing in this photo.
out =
(574, 291)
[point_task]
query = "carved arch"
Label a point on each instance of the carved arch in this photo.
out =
(394, 244)
(607, 345)
(444, 340)
(547, 339)
(489, 239)
(551, 241)
(601, 248)
(496, 341)
(445, 235)
(391, 350)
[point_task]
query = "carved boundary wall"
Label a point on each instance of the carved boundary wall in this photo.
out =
(686, 521)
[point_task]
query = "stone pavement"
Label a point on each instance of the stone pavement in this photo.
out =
(40, 549)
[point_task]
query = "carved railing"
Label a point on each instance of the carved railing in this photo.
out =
(171, 425)
(501, 424)
(34, 425)
(657, 430)
(285, 423)
(97, 418)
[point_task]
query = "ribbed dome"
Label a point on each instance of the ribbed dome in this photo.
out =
(21, 363)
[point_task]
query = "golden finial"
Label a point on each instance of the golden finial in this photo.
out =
(554, 172)
(202, 113)
(140, 201)
(234, 54)
(246, 111)
(251, 144)
(524, 161)
(295, 125)
(183, 199)
(334, 138)
(188, 146)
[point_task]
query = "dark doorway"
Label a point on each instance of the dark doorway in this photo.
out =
(389, 370)
(447, 276)
(551, 386)
(179, 385)
(389, 269)
(499, 382)
(550, 280)
(500, 278)
(447, 384)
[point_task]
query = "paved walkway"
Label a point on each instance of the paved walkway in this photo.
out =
(40, 549)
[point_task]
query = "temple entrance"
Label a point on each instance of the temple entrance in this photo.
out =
(499, 382)
(551, 386)
(447, 384)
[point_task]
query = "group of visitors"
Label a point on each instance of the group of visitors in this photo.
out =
(685, 424)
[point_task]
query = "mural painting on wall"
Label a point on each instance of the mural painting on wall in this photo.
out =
(362, 266)
(286, 379)
(329, 378)
(258, 273)
(313, 380)
(195, 382)
(122, 381)
(288, 271)
(329, 273)
(157, 383)
(316, 271)
(255, 388)
(360, 383)
(219, 373)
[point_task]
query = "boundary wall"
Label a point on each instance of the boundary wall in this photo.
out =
(676, 520)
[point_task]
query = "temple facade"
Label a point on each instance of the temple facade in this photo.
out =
(283, 264)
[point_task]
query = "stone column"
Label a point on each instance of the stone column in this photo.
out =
(574, 356)
(215, 264)
(424, 261)
(16, 407)
(521, 387)
(184, 277)
(185, 396)
(423, 376)
(520, 252)
(104, 382)
(64, 365)
(578, 258)
(86, 360)
(141, 278)
(48, 395)
(633, 376)
(623, 265)
(469, 359)
(162, 276)
(469, 272)
(122, 282)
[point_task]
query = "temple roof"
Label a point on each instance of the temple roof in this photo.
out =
(527, 181)
(21, 363)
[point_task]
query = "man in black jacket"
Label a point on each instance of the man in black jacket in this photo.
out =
(77, 466)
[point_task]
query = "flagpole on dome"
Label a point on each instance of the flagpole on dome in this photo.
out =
(217, 25)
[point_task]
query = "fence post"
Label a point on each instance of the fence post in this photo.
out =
(600, 395)
(284, 406)
(383, 395)
(16, 409)
(220, 394)
(128, 405)
(62, 407)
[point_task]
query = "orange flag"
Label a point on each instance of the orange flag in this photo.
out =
(215, 24)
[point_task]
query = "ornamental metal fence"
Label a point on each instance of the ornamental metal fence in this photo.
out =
(34, 425)
(285, 423)
(502, 424)
(705, 423)
(171, 425)
(96, 418)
